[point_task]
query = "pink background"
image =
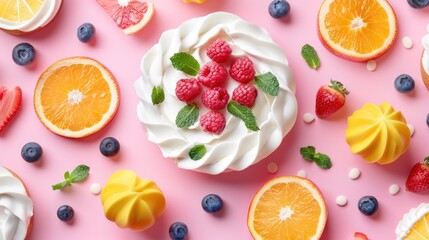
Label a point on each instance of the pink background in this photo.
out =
(184, 189)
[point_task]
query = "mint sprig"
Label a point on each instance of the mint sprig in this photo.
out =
(310, 56)
(187, 116)
(268, 83)
(79, 174)
(322, 160)
(157, 95)
(244, 113)
(197, 152)
(186, 63)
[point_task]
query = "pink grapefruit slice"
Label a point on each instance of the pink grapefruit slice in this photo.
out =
(130, 15)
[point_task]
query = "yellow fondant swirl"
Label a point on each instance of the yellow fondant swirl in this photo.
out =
(132, 202)
(378, 133)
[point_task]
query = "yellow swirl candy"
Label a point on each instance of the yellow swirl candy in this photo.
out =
(378, 133)
(132, 202)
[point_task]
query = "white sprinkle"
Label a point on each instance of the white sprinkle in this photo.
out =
(272, 167)
(371, 65)
(95, 188)
(341, 200)
(407, 42)
(393, 189)
(354, 173)
(301, 173)
(412, 129)
(308, 117)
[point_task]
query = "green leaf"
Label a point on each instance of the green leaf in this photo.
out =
(157, 95)
(80, 173)
(244, 113)
(322, 160)
(67, 175)
(310, 56)
(61, 185)
(268, 83)
(308, 152)
(197, 152)
(186, 63)
(187, 116)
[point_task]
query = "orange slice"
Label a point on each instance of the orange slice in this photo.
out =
(19, 10)
(76, 97)
(414, 224)
(287, 208)
(358, 30)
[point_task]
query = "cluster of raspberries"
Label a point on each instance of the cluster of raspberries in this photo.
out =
(212, 76)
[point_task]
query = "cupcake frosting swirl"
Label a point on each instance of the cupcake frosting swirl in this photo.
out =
(237, 147)
(16, 207)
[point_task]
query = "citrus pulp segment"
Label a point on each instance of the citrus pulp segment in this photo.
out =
(358, 30)
(18, 11)
(287, 208)
(76, 97)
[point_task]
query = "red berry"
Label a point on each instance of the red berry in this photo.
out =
(219, 51)
(215, 98)
(213, 122)
(418, 178)
(187, 89)
(242, 70)
(10, 103)
(359, 236)
(212, 75)
(245, 94)
(330, 98)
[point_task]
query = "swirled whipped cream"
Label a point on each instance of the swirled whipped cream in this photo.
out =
(16, 207)
(236, 148)
(425, 58)
(410, 219)
(43, 16)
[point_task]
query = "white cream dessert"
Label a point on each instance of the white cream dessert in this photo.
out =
(413, 224)
(16, 207)
(236, 148)
(425, 58)
(41, 18)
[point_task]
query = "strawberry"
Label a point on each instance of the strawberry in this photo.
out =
(418, 179)
(330, 98)
(360, 236)
(10, 101)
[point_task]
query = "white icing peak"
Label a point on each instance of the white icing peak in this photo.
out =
(410, 219)
(46, 13)
(425, 58)
(237, 147)
(16, 207)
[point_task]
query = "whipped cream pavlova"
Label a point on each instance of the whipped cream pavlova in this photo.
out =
(425, 57)
(237, 146)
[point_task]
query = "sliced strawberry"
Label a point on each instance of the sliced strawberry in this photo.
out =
(360, 236)
(418, 178)
(330, 98)
(10, 102)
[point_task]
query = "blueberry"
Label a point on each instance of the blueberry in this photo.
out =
(23, 54)
(278, 8)
(212, 203)
(85, 32)
(404, 83)
(427, 120)
(368, 205)
(31, 152)
(178, 231)
(109, 146)
(418, 3)
(65, 213)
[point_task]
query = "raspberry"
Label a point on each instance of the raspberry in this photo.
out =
(212, 75)
(187, 89)
(213, 122)
(219, 51)
(215, 98)
(245, 94)
(242, 70)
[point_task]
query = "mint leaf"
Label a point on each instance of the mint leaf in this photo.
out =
(60, 185)
(308, 152)
(186, 63)
(322, 160)
(268, 83)
(310, 56)
(197, 152)
(187, 116)
(244, 113)
(157, 95)
(80, 173)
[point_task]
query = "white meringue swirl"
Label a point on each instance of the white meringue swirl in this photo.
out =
(237, 147)
(425, 58)
(410, 219)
